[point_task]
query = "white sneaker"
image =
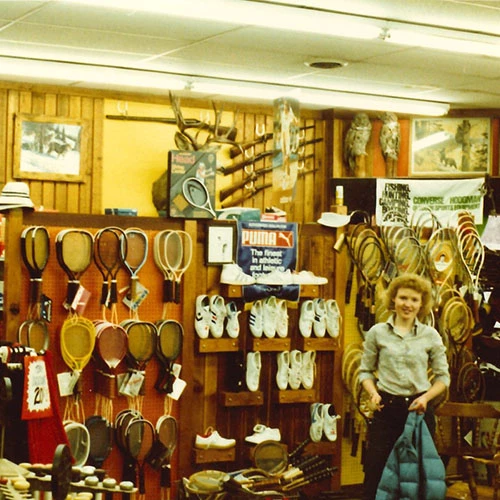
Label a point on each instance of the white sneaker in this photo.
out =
(316, 428)
(202, 316)
(308, 278)
(255, 319)
(269, 316)
(252, 377)
(282, 318)
(308, 369)
(213, 440)
(276, 277)
(218, 311)
(263, 433)
(306, 318)
(333, 318)
(232, 324)
(232, 274)
(319, 324)
(329, 422)
(283, 359)
(295, 374)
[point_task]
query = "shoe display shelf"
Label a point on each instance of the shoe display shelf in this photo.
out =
(244, 398)
(212, 345)
(214, 455)
(271, 345)
(321, 448)
(320, 344)
(293, 396)
(236, 291)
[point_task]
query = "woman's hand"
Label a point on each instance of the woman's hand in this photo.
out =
(374, 401)
(419, 405)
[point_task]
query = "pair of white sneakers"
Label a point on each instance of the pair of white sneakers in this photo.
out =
(269, 317)
(296, 368)
(319, 316)
(252, 372)
(323, 422)
(213, 315)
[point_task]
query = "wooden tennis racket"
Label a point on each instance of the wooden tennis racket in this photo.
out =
(178, 254)
(134, 253)
(108, 253)
(160, 258)
(74, 250)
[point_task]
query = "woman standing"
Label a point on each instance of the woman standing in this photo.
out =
(394, 371)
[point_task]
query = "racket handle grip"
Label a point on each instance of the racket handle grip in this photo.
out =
(73, 287)
(177, 287)
(167, 291)
(104, 293)
(35, 290)
(113, 292)
(165, 476)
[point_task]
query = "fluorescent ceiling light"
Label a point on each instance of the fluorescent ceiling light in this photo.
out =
(248, 13)
(439, 42)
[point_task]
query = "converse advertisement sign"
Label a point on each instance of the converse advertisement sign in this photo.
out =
(268, 249)
(398, 197)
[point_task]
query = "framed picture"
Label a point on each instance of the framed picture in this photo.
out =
(450, 147)
(50, 148)
(221, 243)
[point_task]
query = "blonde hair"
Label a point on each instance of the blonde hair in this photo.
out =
(414, 282)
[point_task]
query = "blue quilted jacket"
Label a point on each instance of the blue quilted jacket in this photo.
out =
(414, 470)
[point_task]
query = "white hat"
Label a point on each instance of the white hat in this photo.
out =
(15, 195)
(332, 219)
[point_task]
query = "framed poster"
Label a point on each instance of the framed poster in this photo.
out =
(450, 147)
(50, 148)
(221, 243)
(192, 184)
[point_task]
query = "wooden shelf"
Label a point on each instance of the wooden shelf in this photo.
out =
(245, 398)
(296, 396)
(218, 345)
(320, 344)
(271, 345)
(236, 291)
(211, 456)
(322, 448)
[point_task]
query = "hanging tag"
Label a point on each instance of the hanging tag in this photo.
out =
(80, 301)
(141, 293)
(132, 387)
(177, 388)
(36, 401)
(46, 308)
(67, 382)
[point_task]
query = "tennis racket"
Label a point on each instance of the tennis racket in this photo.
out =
(178, 254)
(109, 247)
(168, 348)
(196, 194)
(74, 250)
(139, 439)
(79, 441)
(101, 439)
(134, 253)
(160, 258)
(122, 420)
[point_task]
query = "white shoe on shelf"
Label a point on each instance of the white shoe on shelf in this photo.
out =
(333, 318)
(276, 277)
(295, 375)
(319, 324)
(308, 369)
(282, 318)
(203, 316)
(254, 365)
(269, 316)
(283, 360)
(232, 324)
(255, 319)
(213, 440)
(306, 318)
(330, 422)
(263, 433)
(232, 274)
(316, 428)
(308, 278)
(218, 310)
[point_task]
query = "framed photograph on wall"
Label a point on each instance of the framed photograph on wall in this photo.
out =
(221, 242)
(450, 147)
(50, 148)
